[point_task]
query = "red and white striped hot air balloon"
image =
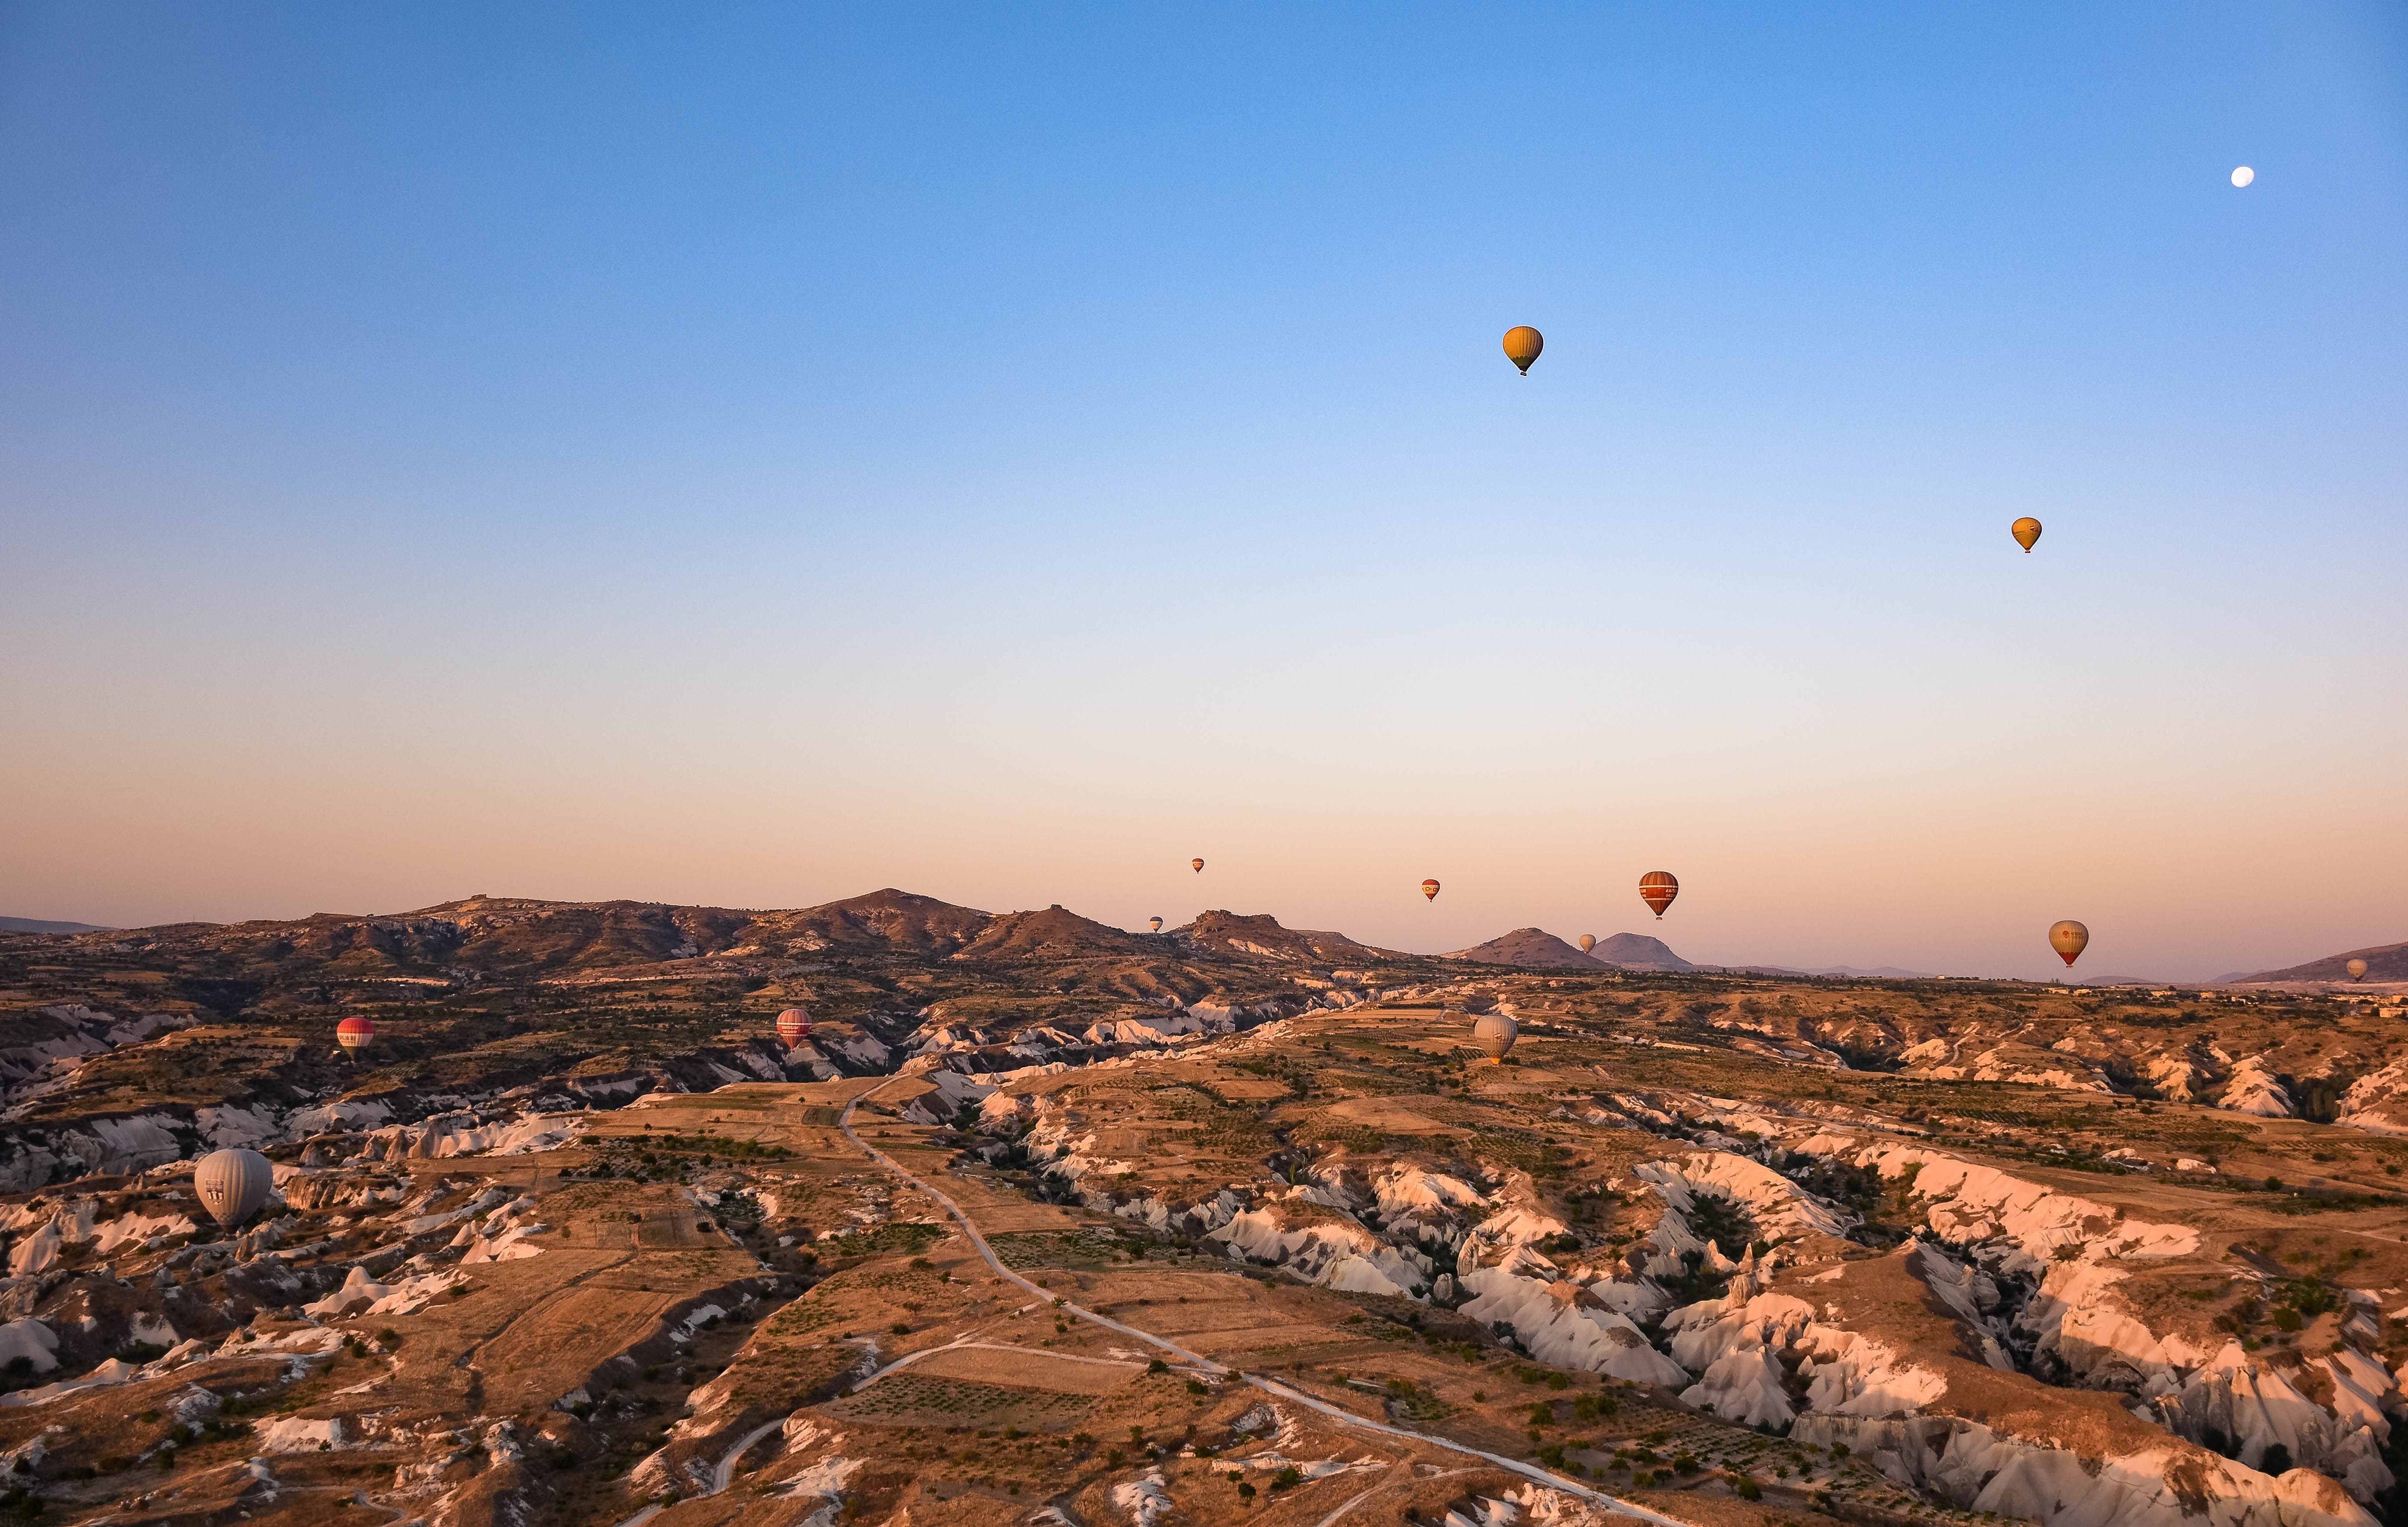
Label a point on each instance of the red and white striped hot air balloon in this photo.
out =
(1657, 887)
(354, 1033)
(794, 1026)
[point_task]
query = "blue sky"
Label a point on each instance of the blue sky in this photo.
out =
(760, 455)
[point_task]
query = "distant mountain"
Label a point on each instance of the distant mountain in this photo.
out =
(1259, 936)
(895, 918)
(2384, 962)
(1053, 933)
(1636, 952)
(36, 925)
(1532, 949)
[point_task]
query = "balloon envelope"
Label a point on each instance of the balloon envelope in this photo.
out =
(795, 1026)
(2067, 939)
(1198, 864)
(233, 1184)
(1588, 942)
(1657, 887)
(1429, 888)
(2026, 531)
(1495, 1034)
(1522, 345)
(354, 1033)
(2356, 969)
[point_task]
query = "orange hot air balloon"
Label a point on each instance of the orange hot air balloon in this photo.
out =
(355, 1034)
(2067, 939)
(1429, 888)
(2026, 531)
(1198, 864)
(1157, 923)
(1657, 887)
(795, 1026)
(1522, 345)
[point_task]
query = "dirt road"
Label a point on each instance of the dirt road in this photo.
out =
(1267, 1386)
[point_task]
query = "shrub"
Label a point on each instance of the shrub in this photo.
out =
(1749, 1489)
(2277, 1460)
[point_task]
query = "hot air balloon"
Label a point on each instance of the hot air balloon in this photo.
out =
(795, 1026)
(2067, 939)
(1157, 923)
(2026, 531)
(1495, 1034)
(1522, 345)
(1198, 864)
(354, 1035)
(1657, 887)
(2356, 969)
(1429, 888)
(233, 1184)
(1588, 942)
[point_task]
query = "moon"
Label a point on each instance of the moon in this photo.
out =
(2242, 175)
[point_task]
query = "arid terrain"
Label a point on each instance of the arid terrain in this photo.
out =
(1051, 1222)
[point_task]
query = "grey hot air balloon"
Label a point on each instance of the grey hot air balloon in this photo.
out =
(1588, 942)
(233, 1184)
(1494, 1033)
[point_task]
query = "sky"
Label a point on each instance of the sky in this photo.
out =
(754, 455)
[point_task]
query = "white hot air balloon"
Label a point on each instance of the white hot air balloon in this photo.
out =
(233, 1184)
(1495, 1034)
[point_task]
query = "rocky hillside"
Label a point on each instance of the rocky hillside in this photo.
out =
(577, 1237)
(2384, 962)
(1529, 948)
(1636, 952)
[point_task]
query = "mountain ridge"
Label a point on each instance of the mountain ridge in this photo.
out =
(38, 925)
(2384, 962)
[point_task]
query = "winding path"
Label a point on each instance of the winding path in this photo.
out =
(1268, 1385)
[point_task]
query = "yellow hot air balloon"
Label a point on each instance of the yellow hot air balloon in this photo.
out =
(1523, 344)
(1587, 942)
(1495, 1034)
(1157, 923)
(2026, 531)
(1198, 864)
(2356, 969)
(2067, 939)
